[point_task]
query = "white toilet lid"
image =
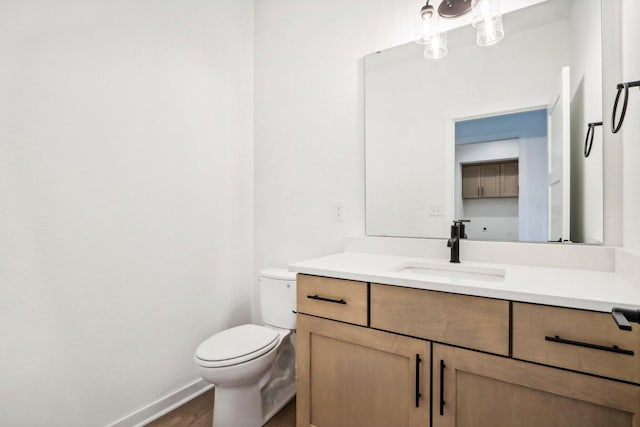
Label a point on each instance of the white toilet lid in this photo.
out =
(237, 345)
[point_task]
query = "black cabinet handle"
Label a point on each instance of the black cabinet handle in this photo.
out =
(442, 402)
(612, 349)
(418, 395)
(319, 298)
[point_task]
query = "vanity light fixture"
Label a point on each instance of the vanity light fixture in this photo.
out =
(454, 8)
(487, 20)
(428, 33)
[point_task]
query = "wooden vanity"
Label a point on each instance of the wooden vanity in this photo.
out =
(379, 355)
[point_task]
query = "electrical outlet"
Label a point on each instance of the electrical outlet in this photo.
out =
(436, 210)
(338, 210)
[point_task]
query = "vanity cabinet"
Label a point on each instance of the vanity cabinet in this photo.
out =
(490, 180)
(472, 322)
(382, 355)
(473, 389)
(337, 299)
(579, 340)
(351, 376)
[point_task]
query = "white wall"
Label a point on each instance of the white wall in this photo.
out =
(309, 110)
(586, 107)
(126, 185)
(492, 219)
(631, 127)
(411, 104)
(612, 143)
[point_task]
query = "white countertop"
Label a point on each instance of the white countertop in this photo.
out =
(591, 290)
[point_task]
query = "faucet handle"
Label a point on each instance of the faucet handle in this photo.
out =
(460, 224)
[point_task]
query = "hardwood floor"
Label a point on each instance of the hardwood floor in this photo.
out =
(199, 413)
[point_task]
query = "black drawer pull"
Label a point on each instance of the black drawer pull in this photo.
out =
(442, 402)
(319, 298)
(418, 395)
(612, 349)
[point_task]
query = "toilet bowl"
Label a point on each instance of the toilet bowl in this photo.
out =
(253, 366)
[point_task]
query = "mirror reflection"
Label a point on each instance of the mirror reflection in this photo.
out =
(491, 134)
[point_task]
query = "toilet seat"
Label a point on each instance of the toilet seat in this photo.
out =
(236, 345)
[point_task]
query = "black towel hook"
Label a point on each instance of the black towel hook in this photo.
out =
(615, 128)
(588, 142)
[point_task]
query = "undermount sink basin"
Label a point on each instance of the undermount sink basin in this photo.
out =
(456, 272)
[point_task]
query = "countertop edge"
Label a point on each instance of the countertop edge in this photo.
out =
(511, 295)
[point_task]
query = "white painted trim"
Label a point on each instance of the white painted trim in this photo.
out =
(164, 405)
(566, 153)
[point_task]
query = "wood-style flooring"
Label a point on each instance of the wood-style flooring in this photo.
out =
(199, 413)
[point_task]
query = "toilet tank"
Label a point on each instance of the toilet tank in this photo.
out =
(278, 297)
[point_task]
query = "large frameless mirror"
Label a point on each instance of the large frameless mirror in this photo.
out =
(494, 134)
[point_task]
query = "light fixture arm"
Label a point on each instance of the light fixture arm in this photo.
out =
(427, 10)
(454, 8)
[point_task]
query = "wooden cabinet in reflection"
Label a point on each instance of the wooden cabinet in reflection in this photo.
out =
(490, 180)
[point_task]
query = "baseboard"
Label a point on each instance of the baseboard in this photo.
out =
(166, 404)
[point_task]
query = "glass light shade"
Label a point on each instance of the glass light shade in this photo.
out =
(484, 10)
(489, 32)
(487, 20)
(427, 25)
(436, 47)
(423, 30)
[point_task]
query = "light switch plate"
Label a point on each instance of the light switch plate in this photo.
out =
(338, 210)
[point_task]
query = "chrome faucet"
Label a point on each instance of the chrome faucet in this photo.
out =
(457, 233)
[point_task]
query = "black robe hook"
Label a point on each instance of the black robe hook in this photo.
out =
(588, 142)
(615, 128)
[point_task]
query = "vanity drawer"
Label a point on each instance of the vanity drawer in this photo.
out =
(472, 322)
(338, 299)
(576, 339)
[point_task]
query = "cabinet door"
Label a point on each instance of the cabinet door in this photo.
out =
(509, 179)
(351, 376)
(471, 181)
(490, 186)
(473, 389)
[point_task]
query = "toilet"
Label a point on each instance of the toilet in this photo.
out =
(253, 366)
